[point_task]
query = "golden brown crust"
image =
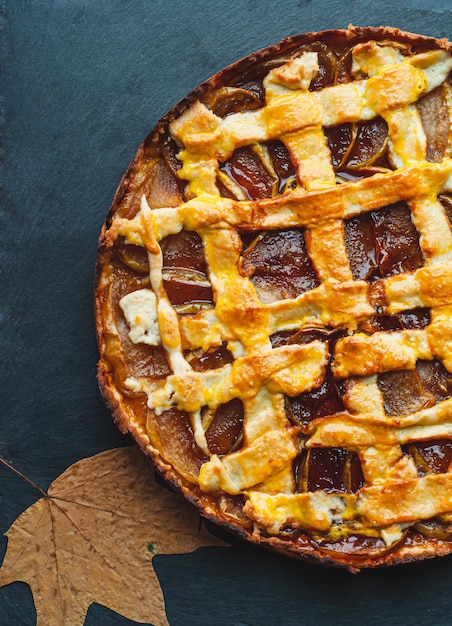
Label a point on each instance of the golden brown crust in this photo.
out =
(205, 478)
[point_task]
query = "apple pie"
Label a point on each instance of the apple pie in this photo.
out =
(274, 297)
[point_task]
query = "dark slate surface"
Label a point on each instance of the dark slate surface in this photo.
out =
(82, 82)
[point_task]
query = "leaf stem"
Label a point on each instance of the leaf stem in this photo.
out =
(25, 478)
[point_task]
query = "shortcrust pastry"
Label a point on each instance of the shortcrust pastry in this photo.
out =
(274, 297)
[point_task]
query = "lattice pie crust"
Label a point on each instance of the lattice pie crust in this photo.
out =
(274, 297)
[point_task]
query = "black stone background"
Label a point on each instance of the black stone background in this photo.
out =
(82, 82)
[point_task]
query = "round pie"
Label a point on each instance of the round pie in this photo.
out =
(274, 297)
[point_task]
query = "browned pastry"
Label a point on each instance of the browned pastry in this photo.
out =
(274, 297)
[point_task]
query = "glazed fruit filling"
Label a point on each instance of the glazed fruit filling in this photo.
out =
(380, 244)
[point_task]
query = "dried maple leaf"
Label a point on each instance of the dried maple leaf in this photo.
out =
(92, 538)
